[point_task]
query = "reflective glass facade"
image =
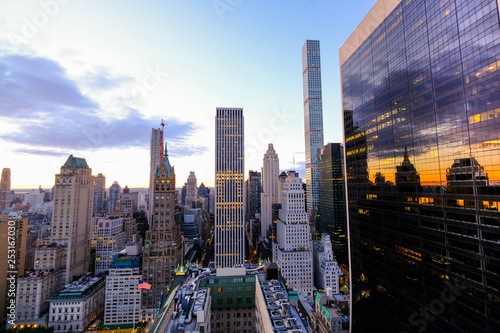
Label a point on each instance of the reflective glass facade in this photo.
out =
(421, 103)
(331, 208)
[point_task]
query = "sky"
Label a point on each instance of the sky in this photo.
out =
(92, 78)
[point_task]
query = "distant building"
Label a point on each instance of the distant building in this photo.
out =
(254, 189)
(77, 305)
(269, 196)
(115, 194)
(229, 187)
(191, 189)
(5, 189)
(71, 220)
(293, 251)
(99, 206)
(332, 216)
(129, 202)
(108, 238)
(333, 313)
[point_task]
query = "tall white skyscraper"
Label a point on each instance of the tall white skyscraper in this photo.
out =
(72, 214)
(156, 155)
(313, 117)
(269, 196)
(294, 250)
(192, 185)
(229, 186)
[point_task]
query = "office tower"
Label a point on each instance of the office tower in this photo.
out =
(332, 217)
(99, 206)
(184, 194)
(254, 189)
(72, 214)
(293, 251)
(123, 279)
(163, 244)
(313, 118)
(5, 189)
(108, 238)
(421, 116)
(156, 152)
(129, 201)
(269, 196)
(191, 189)
(115, 194)
(229, 187)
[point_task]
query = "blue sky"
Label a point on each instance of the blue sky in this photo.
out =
(91, 78)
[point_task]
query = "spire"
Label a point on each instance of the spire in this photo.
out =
(166, 164)
(406, 157)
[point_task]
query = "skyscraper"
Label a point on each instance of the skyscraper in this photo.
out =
(254, 190)
(313, 117)
(99, 206)
(420, 84)
(163, 245)
(270, 173)
(5, 189)
(293, 251)
(156, 156)
(191, 190)
(332, 217)
(229, 187)
(72, 214)
(115, 193)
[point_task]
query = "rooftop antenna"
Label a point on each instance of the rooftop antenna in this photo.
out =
(294, 162)
(161, 140)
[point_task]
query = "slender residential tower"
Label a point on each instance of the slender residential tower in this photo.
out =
(229, 186)
(313, 117)
(72, 214)
(5, 189)
(421, 101)
(270, 173)
(156, 156)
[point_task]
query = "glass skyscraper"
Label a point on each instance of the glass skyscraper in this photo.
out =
(331, 207)
(229, 187)
(421, 100)
(313, 117)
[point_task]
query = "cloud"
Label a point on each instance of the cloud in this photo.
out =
(40, 152)
(31, 86)
(52, 114)
(102, 79)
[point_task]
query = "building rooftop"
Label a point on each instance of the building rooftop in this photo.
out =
(76, 162)
(80, 289)
(284, 318)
